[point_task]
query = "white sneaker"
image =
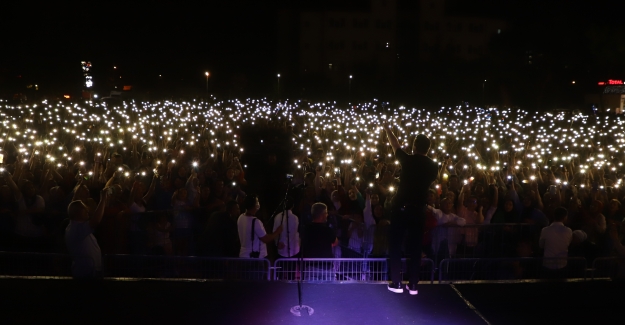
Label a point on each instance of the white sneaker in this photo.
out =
(395, 287)
(412, 289)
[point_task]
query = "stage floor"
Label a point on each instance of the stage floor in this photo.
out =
(27, 301)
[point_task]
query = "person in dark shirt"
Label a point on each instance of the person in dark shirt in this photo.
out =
(409, 203)
(317, 242)
(220, 237)
(318, 238)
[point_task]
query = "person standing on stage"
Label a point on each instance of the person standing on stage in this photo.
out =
(408, 208)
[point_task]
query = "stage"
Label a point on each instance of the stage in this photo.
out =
(36, 301)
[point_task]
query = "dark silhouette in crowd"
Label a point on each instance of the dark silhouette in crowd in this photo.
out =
(81, 244)
(409, 204)
(220, 237)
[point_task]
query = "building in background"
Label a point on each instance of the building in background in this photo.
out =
(445, 29)
(383, 44)
(610, 97)
(87, 88)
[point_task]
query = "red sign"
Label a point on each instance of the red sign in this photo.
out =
(610, 82)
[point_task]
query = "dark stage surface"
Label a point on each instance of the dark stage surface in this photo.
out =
(258, 303)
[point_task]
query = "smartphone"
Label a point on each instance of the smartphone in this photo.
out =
(552, 189)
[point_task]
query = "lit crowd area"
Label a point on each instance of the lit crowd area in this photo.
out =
(490, 142)
(197, 156)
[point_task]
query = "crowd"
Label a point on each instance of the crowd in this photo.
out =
(171, 178)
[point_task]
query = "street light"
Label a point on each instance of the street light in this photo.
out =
(483, 85)
(206, 74)
(349, 94)
(278, 85)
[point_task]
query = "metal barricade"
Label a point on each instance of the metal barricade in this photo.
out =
(35, 264)
(522, 268)
(609, 267)
(426, 273)
(365, 270)
(186, 267)
(331, 269)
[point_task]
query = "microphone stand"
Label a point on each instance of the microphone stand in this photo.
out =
(284, 213)
(299, 308)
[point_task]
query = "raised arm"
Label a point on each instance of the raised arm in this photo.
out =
(150, 192)
(392, 139)
(94, 221)
(539, 200)
(16, 191)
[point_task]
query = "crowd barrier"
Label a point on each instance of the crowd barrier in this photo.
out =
(498, 269)
(186, 267)
(35, 264)
(343, 270)
(609, 267)
(316, 270)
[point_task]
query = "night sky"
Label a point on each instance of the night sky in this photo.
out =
(44, 42)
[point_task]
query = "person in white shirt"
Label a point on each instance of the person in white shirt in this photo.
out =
(287, 247)
(253, 242)
(446, 218)
(555, 240)
(82, 245)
